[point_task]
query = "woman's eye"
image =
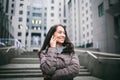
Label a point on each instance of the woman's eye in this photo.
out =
(59, 32)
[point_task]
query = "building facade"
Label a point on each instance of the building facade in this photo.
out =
(106, 20)
(36, 24)
(80, 22)
(41, 15)
(56, 13)
(89, 23)
(19, 20)
(6, 29)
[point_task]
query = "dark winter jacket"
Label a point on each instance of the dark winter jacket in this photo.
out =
(58, 66)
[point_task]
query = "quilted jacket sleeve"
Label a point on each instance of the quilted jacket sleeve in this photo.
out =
(48, 61)
(70, 71)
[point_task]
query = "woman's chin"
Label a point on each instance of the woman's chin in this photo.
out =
(60, 42)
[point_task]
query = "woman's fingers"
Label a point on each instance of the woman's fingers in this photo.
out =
(53, 41)
(53, 38)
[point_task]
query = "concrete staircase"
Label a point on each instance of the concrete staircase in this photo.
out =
(27, 66)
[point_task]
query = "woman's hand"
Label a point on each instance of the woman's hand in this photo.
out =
(53, 42)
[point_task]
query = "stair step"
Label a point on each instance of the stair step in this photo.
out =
(35, 59)
(15, 75)
(83, 70)
(21, 71)
(28, 66)
(27, 56)
(29, 71)
(25, 60)
(41, 78)
(84, 74)
(24, 66)
(22, 78)
(32, 62)
(20, 66)
(37, 74)
(86, 78)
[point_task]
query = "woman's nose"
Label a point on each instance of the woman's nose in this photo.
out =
(63, 35)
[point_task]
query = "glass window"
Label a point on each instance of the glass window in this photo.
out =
(52, 1)
(52, 14)
(59, 3)
(20, 12)
(19, 40)
(36, 21)
(12, 11)
(83, 21)
(33, 22)
(44, 34)
(82, 8)
(59, 9)
(27, 20)
(91, 32)
(11, 17)
(19, 34)
(45, 8)
(86, 11)
(39, 21)
(45, 14)
(65, 21)
(83, 28)
(20, 26)
(91, 24)
(21, 5)
(86, 4)
(83, 14)
(59, 15)
(37, 14)
(82, 1)
(44, 27)
(7, 5)
(12, 5)
(39, 27)
(101, 10)
(87, 34)
(20, 19)
(83, 35)
(86, 18)
(28, 13)
(52, 7)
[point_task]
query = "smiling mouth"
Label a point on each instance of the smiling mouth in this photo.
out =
(62, 39)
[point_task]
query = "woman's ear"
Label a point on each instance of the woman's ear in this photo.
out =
(53, 35)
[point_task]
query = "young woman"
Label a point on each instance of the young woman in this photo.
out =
(58, 60)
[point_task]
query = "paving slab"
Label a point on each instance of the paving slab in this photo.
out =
(40, 78)
(22, 78)
(14, 66)
(86, 78)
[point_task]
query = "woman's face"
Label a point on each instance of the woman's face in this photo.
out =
(59, 35)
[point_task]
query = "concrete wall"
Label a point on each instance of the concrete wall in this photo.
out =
(6, 57)
(104, 69)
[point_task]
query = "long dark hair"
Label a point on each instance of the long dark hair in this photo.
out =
(69, 48)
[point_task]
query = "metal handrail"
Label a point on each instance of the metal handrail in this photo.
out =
(11, 42)
(98, 57)
(109, 58)
(7, 48)
(94, 56)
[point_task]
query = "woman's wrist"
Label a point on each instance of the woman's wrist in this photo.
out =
(52, 45)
